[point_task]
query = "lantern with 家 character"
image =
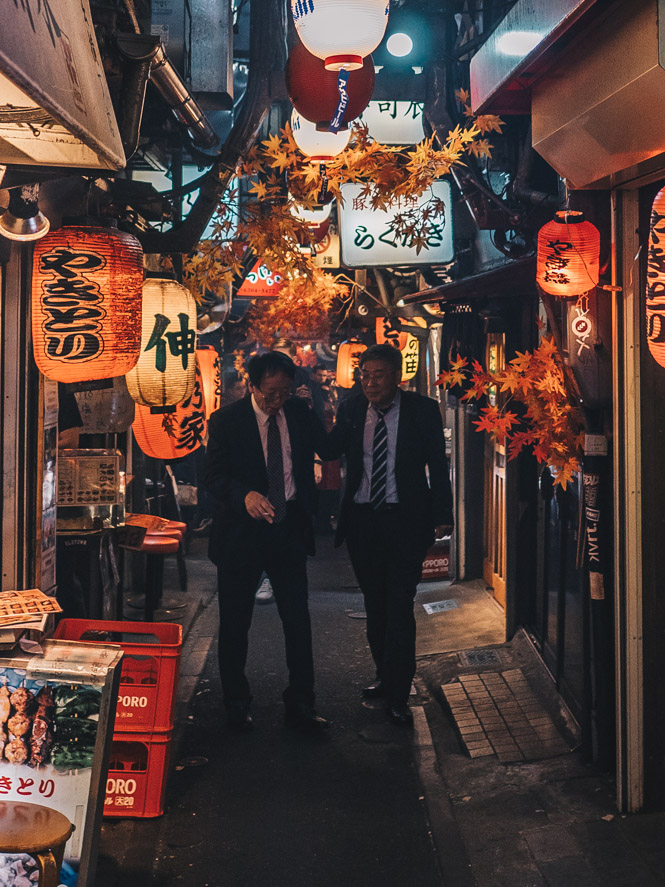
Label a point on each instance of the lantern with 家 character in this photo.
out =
(655, 302)
(568, 255)
(86, 303)
(172, 432)
(341, 32)
(164, 374)
(348, 356)
(209, 367)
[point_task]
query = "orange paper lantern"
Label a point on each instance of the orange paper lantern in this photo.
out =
(347, 362)
(173, 432)
(655, 302)
(86, 303)
(209, 367)
(165, 371)
(389, 330)
(568, 255)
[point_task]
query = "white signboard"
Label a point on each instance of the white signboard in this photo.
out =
(51, 73)
(395, 123)
(368, 236)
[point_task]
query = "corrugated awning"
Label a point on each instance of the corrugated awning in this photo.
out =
(506, 280)
(55, 107)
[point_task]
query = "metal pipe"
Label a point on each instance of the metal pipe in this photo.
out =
(172, 89)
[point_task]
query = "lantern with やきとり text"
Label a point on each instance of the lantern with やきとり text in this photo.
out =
(170, 433)
(341, 32)
(165, 371)
(655, 301)
(86, 303)
(568, 255)
(209, 367)
(348, 356)
(319, 96)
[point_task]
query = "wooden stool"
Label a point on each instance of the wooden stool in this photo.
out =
(38, 831)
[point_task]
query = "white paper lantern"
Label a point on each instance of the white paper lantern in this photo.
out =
(318, 146)
(166, 370)
(341, 32)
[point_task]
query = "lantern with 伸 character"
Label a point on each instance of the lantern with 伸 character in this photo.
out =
(165, 371)
(655, 301)
(324, 97)
(568, 255)
(170, 433)
(341, 32)
(348, 356)
(86, 303)
(209, 367)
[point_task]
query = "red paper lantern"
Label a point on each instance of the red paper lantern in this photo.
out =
(171, 433)
(314, 92)
(347, 362)
(655, 302)
(209, 367)
(568, 255)
(86, 303)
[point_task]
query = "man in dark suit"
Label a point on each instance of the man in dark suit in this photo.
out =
(396, 500)
(260, 459)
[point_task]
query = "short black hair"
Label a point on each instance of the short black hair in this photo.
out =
(386, 353)
(262, 365)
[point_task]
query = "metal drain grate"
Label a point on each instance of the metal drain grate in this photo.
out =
(476, 658)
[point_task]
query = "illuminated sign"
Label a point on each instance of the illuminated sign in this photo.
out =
(261, 283)
(395, 123)
(368, 236)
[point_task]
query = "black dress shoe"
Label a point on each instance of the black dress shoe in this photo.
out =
(240, 720)
(400, 715)
(303, 717)
(374, 691)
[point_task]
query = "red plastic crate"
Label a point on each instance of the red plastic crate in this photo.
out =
(136, 781)
(149, 675)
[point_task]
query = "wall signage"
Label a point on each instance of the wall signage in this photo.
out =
(368, 236)
(395, 123)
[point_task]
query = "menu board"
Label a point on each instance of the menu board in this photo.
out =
(88, 480)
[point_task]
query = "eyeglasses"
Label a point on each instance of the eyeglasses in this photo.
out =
(279, 394)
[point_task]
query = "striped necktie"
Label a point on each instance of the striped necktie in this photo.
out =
(377, 496)
(275, 467)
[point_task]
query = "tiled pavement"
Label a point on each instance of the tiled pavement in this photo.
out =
(496, 713)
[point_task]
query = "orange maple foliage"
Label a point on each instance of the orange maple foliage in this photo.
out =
(547, 421)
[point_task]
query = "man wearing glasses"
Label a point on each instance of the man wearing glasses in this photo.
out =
(260, 472)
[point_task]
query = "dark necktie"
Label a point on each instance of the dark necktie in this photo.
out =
(377, 495)
(275, 467)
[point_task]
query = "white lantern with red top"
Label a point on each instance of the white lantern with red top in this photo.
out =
(319, 146)
(341, 32)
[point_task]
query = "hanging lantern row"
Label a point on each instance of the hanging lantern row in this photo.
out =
(568, 255)
(86, 303)
(655, 296)
(165, 371)
(341, 32)
(172, 432)
(348, 356)
(326, 98)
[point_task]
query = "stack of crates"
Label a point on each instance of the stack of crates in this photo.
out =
(138, 765)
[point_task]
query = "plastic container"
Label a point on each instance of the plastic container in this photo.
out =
(136, 781)
(150, 670)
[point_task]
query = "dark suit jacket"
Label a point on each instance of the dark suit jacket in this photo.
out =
(420, 454)
(235, 465)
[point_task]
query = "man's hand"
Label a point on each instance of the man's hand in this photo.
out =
(304, 393)
(259, 507)
(442, 530)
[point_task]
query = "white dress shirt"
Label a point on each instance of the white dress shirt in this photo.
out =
(391, 419)
(262, 422)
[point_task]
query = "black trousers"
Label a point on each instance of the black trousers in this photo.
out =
(387, 556)
(280, 552)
